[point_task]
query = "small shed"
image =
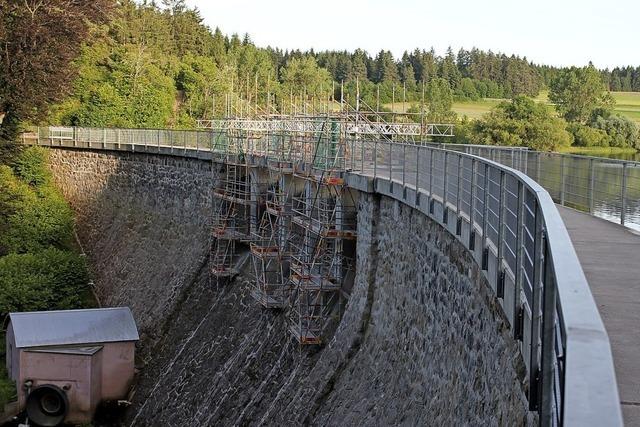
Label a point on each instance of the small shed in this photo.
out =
(81, 356)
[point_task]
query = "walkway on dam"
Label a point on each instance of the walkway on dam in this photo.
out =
(610, 257)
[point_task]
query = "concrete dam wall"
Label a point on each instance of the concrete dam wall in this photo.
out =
(421, 340)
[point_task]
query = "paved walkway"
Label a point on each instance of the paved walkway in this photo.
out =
(610, 258)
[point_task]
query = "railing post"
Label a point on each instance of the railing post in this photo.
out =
(362, 154)
(418, 148)
(548, 344)
(375, 158)
(472, 208)
(404, 163)
(500, 242)
(485, 222)
(118, 131)
(431, 151)
(458, 192)
(518, 272)
(390, 161)
(562, 179)
(104, 138)
(623, 194)
(536, 311)
(445, 213)
(592, 181)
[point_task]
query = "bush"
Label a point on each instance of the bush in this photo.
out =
(32, 218)
(622, 132)
(51, 279)
(36, 225)
(521, 122)
(467, 90)
(30, 166)
(585, 136)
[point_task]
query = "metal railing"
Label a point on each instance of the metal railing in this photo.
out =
(513, 229)
(607, 188)
(507, 221)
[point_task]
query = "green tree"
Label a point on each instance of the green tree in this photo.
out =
(38, 42)
(449, 70)
(304, 75)
(467, 89)
(577, 92)
(586, 136)
(120, 85)
(386, 69)
(439, 100)
(521, 122)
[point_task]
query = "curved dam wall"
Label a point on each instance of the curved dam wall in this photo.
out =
(421, 340)
(143, 220)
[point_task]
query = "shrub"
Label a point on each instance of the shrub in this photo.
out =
(34, 216)
(51, 279)
(622, 132)
(521, 122)
(586, 136)
(30, 166)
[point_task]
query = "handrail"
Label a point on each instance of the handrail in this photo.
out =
(603, 187)
(514, 230)
(507, 221)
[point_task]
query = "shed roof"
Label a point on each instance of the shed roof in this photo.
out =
(90, 326)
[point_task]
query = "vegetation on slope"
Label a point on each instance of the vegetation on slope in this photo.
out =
(39, 266)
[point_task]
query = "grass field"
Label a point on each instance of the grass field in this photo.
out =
(627, 104)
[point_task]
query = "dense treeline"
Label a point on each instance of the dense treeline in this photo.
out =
(161, 66)
(626, 79)
(619, 79)
(158, 66)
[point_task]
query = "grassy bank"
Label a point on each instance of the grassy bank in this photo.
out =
(596, 150)
(611, 152)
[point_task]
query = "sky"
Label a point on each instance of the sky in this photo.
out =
(552, 32)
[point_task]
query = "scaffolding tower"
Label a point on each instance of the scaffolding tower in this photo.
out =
(270, 248)
(234, 201)
(323, 220)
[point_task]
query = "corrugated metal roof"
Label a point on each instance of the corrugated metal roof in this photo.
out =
(90, 326)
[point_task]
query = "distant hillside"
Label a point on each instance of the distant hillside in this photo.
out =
(156, 67)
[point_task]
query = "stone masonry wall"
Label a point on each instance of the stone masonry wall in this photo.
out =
(435, 350)
(421, 341)
(143, 221)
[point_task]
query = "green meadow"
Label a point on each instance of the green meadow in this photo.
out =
(627, 104)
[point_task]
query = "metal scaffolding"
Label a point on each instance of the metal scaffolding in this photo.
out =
(294, 212)
(323, 220)
(270, 248)
(234, 205)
